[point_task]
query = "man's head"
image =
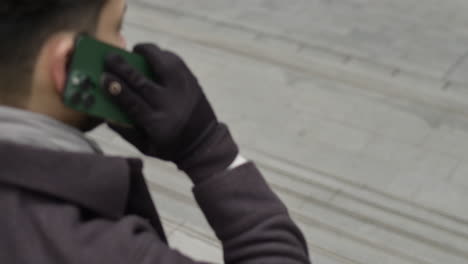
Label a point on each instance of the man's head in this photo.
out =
(37, 41)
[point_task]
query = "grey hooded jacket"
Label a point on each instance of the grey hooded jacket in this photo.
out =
(61, 206)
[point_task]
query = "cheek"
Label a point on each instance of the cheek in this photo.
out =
(122, 41)
(112, 38)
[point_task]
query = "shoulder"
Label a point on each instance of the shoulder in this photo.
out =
(38, 227)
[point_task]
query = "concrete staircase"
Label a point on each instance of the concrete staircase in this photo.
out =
(368, 155)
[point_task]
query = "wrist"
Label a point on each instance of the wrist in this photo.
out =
(215, 154)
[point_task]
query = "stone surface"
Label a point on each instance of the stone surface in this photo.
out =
(355, 111)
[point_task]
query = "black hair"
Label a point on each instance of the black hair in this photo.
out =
(25, 25)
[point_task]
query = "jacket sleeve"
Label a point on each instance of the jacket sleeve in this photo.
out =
(252, 223)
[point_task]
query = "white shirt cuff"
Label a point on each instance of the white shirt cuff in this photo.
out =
(239, 161)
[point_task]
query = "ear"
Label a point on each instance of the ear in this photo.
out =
(60, 52)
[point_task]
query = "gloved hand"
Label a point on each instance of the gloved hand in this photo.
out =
(174, 120)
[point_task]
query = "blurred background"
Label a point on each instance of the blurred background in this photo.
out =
(356, 111)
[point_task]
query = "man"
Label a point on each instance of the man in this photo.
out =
(62, 201)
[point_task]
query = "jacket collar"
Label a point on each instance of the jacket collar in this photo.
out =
(98, 183)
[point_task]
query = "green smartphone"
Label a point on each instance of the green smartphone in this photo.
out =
(84, 91)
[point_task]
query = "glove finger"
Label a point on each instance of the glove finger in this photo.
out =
(131, 103)
(137, 81)
(163, 63)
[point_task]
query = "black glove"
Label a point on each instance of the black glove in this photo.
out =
(174, 120)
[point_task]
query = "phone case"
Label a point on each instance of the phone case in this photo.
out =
(84, 91)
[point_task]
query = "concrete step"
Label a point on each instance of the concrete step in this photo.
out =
(395, 35)
(367, 215)
(367, 75)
